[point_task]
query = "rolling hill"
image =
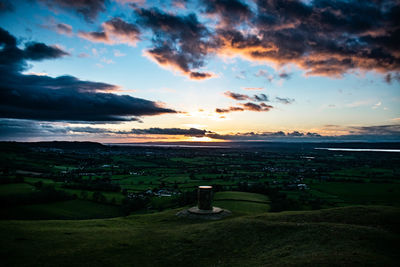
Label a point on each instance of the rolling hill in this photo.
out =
(349, 236)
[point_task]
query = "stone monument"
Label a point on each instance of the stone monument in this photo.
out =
(204, 208)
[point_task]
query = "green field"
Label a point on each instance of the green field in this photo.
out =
(108, 195)
(244, 196)
(352, 236)
(361, 193)
(31, 180)
(364, 173)
(8, 190)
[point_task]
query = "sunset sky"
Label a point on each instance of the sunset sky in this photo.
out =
(199, 70)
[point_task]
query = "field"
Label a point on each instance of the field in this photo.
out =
(113, 175)
(353, 236)
(364, 193)
(9, 190)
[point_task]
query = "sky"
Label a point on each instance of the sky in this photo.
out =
(119, 71)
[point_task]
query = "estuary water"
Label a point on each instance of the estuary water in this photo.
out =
(360, 149)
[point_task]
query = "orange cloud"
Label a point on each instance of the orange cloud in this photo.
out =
(115, 31)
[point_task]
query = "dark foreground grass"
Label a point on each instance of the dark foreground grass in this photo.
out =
(362, 193)
(351, 236)
(62, 210)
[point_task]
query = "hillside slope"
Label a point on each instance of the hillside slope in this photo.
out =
(363, 235)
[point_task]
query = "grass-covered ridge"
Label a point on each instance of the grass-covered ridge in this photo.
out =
(62, 210)
(362, 235)
(243, 196)
(242, 202)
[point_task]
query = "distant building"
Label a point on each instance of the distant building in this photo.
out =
(302, 186)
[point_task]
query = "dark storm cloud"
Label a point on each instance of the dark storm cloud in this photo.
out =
(179, 42)
(118, 26)
(13, 59)
(40, 51)
(114, 31)
(9, 127)
(7, 39)
(63, 98)
(230, 12)
(88, 9)
(67, 98)
(21, 129)
(327, 37)
(324, 37)
(170, 131)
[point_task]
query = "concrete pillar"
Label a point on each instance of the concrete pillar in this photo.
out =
(204, 197)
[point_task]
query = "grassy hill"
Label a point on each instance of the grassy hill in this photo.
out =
(360, 235)
(242, 202)
(64, 210)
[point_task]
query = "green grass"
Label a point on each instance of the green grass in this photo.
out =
(135, 179)
(242, 202)
(242, 207)
(7, 190)
(364, 173)
(352, 236)
(70, 210)
(31, 180)
(161, 203)
(234, 195)
(108, 195)
(63, 168)
(362, 193)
